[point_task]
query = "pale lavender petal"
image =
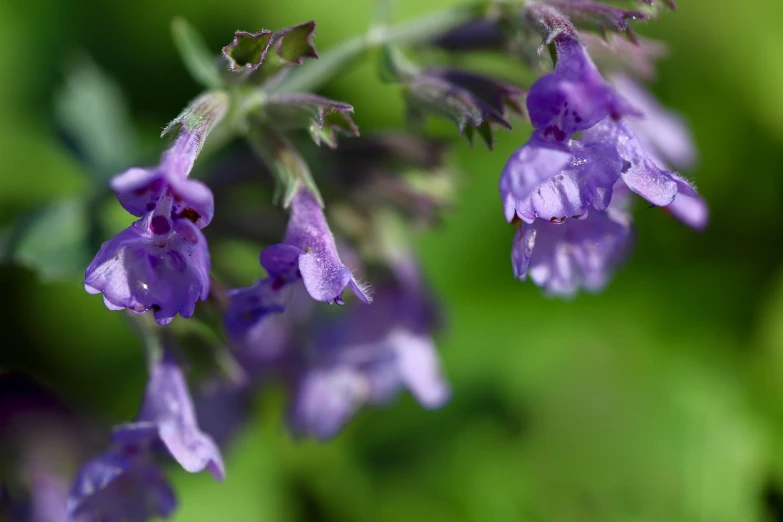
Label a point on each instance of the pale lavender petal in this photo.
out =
(585, 182)
(419, 368)
(49, 497)
(325, 399)
(531, 164)
(577, 254)
(640, 171)
(688, 206)
(192, 200)
(167, 404)
(658, 127)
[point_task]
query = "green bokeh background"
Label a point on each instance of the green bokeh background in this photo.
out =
(660, 400)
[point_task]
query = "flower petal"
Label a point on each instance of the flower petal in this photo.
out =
(640, 172)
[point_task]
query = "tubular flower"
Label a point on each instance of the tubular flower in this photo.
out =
(309, 252)
(161, 262)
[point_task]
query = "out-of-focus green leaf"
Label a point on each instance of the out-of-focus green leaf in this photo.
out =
(93, 110)
(201, 64)
(53, 241)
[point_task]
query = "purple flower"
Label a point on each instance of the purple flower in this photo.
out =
(580, 253)
(309, 252)
(167, 414)
(116, 487)
(642, 174)
(161, 262)
(158, 263)
(554, 182)
(574, 96)
(367, 357)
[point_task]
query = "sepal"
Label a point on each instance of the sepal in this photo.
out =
(200, 116)
(323, 118)
(248, 50)
(473, 101)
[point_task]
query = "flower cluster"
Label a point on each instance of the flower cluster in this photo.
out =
(569, 192)
(596, 140)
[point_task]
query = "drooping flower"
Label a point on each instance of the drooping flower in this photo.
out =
(161, 262)
(168, 415)
(309, 252)
(367, 357)
(120, 486)
(156, 264)
(578, 254)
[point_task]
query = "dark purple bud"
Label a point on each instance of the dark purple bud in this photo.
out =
(248, 50)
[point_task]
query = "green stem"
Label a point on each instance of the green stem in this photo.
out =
(310, 76)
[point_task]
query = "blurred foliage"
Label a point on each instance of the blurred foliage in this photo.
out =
(659, 400)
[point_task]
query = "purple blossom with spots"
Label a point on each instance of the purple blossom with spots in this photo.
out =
(155, 264)
(575, 230)
(574, 96)
(309, 252)
(120, 485)
(167, 414)
(161, 262)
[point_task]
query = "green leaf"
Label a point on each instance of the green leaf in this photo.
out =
(92, 109)
(200, 63)
(53, 241)
(248, 50)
